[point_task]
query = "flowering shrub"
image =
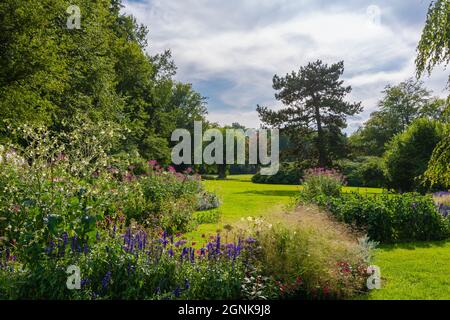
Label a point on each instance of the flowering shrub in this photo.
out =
(58, 182)
(320, 181)
(390, 217)
(130, 263)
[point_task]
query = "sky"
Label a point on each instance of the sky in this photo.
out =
(230, 50)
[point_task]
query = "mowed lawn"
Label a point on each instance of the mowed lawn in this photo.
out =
(240, 198)
(409, 271)
(414, 271)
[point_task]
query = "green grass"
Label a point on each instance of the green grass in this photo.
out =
(241, 198)
(415, 271)
(409, 271)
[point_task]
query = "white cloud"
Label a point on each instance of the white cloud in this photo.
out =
(245, 42)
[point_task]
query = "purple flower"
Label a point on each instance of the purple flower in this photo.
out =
(50, 248)
(85, 282)
(177, 292)
(65, 237)
(180, 243)
(184, 253)
(250, 240)
(105, 280)
(74, 244)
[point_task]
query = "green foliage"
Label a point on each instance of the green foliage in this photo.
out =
(400, 106)
(50, 74)
(434, 46)
(129, 264)
(408, 154)
(363, 172)
(207, 216)
(172, 199)
(66, 183)
(390, 217)
(290, 173)
(438, 171)
(315, 108)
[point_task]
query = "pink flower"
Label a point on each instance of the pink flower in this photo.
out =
(171, 169)
(152, 163)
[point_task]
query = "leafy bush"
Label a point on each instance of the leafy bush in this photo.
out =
(409, 153)
(129, 263)
(207, 216)
(289, 173)
(390, 217)
(321, 181)
(363, 172)
(59, 182)
(173, 197)
(438, 171)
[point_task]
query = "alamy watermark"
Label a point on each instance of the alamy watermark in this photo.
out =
(74, 20)
(74, 278)
(374, 280)
(229, 147)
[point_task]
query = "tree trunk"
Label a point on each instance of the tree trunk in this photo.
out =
(320, 140)
(222, 170)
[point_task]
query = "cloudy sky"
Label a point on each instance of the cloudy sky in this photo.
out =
(230, 50)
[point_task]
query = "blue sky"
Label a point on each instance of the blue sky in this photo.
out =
(230, 50)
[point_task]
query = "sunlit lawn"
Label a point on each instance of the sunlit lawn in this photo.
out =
(414, 271)
(409, 271)
(241, 198)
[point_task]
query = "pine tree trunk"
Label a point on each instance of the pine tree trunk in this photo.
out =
(320, 141)
(222, 168)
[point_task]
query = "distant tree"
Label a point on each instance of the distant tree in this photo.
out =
(408, 154)
(399, 107)
(315, 110)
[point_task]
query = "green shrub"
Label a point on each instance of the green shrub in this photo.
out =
(363, 172)
(59, 182)
(207, 216)
(390, 217)
(321, 181)
(130, 264)
(409, 153)
(289, 173)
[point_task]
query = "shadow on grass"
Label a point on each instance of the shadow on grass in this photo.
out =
(413, 245)
(273, 193)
